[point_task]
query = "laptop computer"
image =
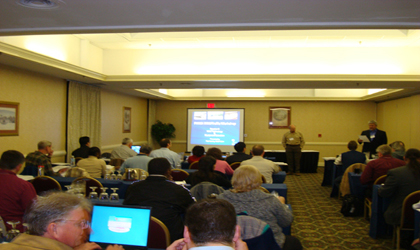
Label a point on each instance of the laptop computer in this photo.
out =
(123, 225)
(136, 148)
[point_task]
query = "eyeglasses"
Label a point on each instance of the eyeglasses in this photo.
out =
(83, 224)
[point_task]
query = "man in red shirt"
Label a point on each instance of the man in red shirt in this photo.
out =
(15, 194)
(377, 168)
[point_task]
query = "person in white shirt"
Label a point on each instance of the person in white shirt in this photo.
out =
(124, 151)
(95, 167)
(165, 152)
(266, 167)
(139, 161)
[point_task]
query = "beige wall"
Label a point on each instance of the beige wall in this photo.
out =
(42, 112)
(42, 109)
(337, 122)
(401, 120)
(112, 114)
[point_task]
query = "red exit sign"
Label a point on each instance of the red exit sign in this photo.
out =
(211, 105)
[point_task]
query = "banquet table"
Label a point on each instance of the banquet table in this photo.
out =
(328, 171)
(308, 161)
(378, 227)
(279, 177)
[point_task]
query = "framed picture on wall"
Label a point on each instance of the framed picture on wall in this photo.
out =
(279, 117)
(126, 120)
(9, 118)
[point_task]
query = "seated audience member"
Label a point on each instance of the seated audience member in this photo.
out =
(399, 183)
(83, 151)
(246, 195)
(210, 224)
(15, 194)
(139, 161)
(266, 167)
(165, 152)
(349, 158)
(94, 166)
(240, 154)
(377, 168)
(57, 221)
(169, 200)
(197, 154)
(206, 173)
(124, 151)
(398, 149)
(42, 157)
(221, 165)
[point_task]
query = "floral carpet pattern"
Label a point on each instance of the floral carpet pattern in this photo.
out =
(318, 222)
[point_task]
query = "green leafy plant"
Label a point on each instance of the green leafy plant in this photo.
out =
(162, 130)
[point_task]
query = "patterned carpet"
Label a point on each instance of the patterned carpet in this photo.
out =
(318, 222)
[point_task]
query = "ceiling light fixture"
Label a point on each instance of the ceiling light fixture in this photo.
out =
(38, 4)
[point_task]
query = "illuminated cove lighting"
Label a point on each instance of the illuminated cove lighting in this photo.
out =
(245, 93)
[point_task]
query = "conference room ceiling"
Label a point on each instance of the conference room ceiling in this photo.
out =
(180, 24)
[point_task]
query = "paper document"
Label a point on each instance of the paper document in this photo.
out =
(364, 138)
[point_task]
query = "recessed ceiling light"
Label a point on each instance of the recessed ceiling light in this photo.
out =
(38, 4)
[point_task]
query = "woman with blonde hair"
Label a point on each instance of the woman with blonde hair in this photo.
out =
(246, 196)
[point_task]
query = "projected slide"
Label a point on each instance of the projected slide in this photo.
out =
(215, 128)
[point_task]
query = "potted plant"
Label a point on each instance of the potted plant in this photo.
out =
(162, 130)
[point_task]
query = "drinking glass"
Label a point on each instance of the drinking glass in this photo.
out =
(113, 176)
(114, 196)
(119, 176)
(25, 228)
(12, 233)
(93, 195)
(104, 195)
(69, 190)
(107, 176)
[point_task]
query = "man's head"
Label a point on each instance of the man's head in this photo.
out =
(292, 128)
(165, 143)
(159, 166)
(211, 221)
(258, 150)
(384, 150)
(84, 141)
(145, 149)
(372, 125)
(240, 147)
(11, 160)
(60, 216)
(397, 146)
(94, 151)
(127, 141)
(352, 145)
(45, 147)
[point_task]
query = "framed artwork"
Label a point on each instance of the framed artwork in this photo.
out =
(9, 118)
(279, 117)
(126, 120)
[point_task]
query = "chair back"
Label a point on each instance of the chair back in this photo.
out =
(30, 169)
(3, 231)
(380, 180)
(407, 216)
(345, 185)
(159, 236)
(264, 189)
(204, 189)
(45, 183)
(106, 155)
(76, 172)
(235, 165)
(256, 233)
(90, 182)
(179, 174)
(194, 165)
(116, 163)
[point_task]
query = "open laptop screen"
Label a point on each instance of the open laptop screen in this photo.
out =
(122, 225)
(136, 148)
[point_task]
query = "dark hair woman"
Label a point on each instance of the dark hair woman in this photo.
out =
(399, 183)
(197, 154)
(206, 173)
(221, 165)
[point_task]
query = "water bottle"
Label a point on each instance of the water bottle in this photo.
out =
(40, 170)
(72, 161)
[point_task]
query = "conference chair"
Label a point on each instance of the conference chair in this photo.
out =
(159, 236)
(367, 211)
(345, 185)
(407, 216)
(89, 182)
(43, 184)
(106, 155)
(235, 165)
(256, 233)
(205, 189)
(179, 174)
(30, 169)
(116, 163)
(194, 165)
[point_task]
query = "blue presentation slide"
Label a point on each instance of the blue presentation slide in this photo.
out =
(215, 128)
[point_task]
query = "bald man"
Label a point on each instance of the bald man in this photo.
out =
(293, 142)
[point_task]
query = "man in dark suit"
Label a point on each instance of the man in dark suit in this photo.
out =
(240, 156)
(377, 137)
(83, 151)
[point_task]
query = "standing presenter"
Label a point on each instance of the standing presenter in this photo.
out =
(293, 142)
(376, 138)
